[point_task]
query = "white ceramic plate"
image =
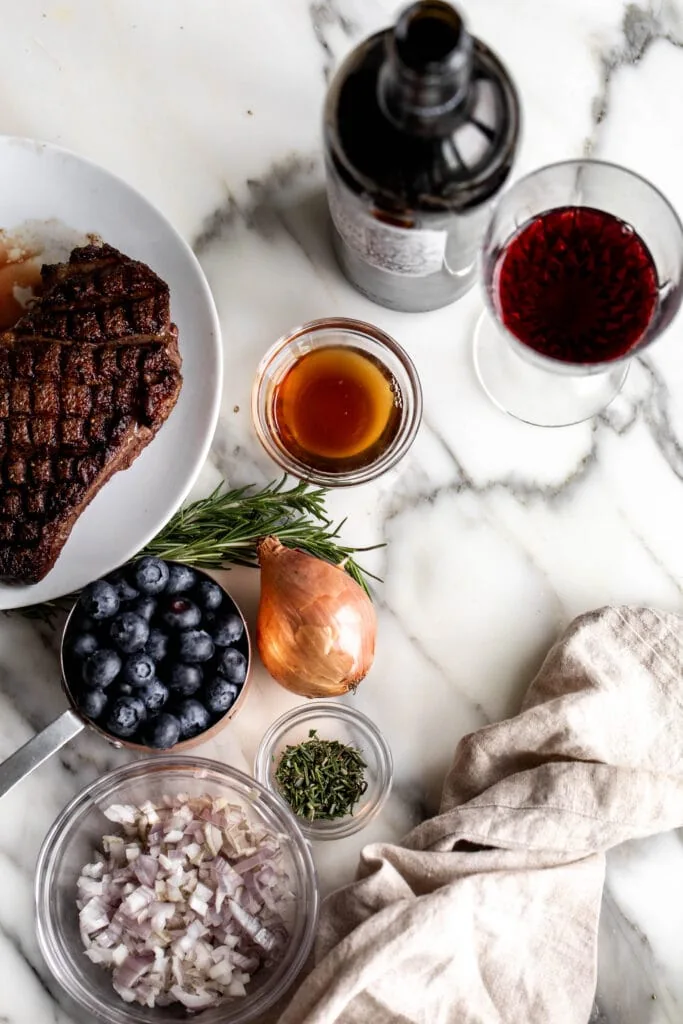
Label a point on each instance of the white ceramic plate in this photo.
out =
(62, 197)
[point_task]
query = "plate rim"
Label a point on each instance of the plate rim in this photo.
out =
(26, 142)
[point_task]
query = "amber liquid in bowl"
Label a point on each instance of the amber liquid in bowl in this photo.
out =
(336, 408)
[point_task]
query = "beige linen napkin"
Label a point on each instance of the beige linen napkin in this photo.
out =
(489, 912)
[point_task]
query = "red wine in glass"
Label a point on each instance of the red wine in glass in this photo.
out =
(577, 285)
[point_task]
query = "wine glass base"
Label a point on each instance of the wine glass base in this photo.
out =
(532, 394)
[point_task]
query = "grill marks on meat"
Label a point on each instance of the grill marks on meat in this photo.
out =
(87, 378)
(99, 296)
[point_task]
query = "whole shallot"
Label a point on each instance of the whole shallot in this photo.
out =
(316, 626)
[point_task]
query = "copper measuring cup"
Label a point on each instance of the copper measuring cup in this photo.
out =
(72, 721)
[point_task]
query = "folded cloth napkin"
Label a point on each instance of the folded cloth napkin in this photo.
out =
(489, 912)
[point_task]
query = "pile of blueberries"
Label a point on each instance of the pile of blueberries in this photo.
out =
(155, 653)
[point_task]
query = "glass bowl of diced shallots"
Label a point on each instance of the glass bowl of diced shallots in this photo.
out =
(175, 886)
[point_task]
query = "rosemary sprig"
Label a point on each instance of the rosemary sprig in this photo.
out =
(225, 528)
(321, 779)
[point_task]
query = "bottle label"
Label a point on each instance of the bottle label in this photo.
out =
(413, 252)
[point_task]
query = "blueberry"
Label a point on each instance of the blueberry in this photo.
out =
(209, 595)
(83, 645)
(185, 679)
(82, 623)
(100, 600)
(125, 716)
(138, 669)
(101, 668)
(180, 578)
(145, 607)
(233, 665)
(195, 645)
(153, 695)
(163, 732)
(92, 703)
(180, 613)
(129, 632)
(157, 645)
(193, 718)
(151, 575)
(122, 586)
(220, 695)
(125, 690)
(227, 630)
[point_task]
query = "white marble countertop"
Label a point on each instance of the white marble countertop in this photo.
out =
(497, 533)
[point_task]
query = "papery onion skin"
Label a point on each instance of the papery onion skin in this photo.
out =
(316, 627)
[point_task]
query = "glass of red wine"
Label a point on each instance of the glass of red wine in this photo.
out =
(582, 265)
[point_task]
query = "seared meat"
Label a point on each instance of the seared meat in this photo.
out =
(87, 378)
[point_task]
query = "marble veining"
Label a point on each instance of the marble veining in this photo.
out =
(641, 27)
(496, 533)
(326, 17)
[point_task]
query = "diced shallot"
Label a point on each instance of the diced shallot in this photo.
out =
(124, 814)
(93, 915)
(146, 869)
(88, 887)
(186, 904)
(192, 1000)
(95, 870)
(128, 974)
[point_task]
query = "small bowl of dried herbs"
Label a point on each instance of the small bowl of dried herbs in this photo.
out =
(329, 764)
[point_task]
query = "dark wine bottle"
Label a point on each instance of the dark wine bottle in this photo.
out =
(421, 129)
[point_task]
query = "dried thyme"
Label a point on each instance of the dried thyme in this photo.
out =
(321, 779)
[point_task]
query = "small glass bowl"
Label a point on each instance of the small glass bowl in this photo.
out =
(332, 722)
(336, 332)
(78, 831)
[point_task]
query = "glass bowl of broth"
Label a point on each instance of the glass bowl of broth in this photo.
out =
(337, 402)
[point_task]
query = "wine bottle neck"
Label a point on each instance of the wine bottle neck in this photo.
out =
(426, 75)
